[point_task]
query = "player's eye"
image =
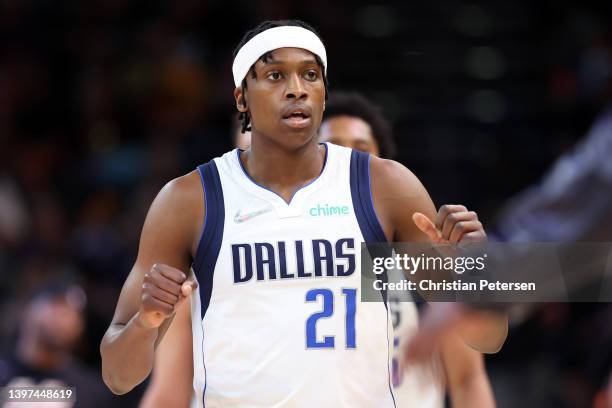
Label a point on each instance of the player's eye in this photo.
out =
(274, 75)
(311, 75)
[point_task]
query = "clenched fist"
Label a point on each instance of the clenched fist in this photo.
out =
(454, 224)
(164, 289)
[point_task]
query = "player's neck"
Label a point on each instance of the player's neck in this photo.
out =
(283, 171)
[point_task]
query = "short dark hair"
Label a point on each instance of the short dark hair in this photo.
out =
(244, 117)
(355, 104)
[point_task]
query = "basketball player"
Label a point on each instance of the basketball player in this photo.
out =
(272, 235)
(350, 120)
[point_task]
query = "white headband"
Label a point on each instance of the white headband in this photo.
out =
(271, 39)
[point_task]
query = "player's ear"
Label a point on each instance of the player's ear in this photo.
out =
(240, 98)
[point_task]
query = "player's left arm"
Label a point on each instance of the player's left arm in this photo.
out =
(407, 214)
(466, 378)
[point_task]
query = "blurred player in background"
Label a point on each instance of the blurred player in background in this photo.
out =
(350, 120)
(262, 333)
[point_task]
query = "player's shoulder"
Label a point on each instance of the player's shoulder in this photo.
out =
(191, 185)
(392, 176)
(177, 213)
(183, 186)
(182, 194)
(397, 194)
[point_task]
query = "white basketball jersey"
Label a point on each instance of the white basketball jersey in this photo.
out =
(278, 319)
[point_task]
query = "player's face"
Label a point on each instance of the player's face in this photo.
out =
(349, 131)
(286, 98)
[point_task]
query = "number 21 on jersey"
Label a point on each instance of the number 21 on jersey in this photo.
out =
(327, 296)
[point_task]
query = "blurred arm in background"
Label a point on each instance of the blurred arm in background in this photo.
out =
(466, 379)
(574, 201)
(172, 377)
(572, 204)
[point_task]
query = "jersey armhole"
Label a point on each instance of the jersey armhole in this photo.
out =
(363, 201)
(212, 231)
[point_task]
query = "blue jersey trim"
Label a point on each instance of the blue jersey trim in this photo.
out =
(210, 240)
(363, 203)
(212, 233)
(388, 359)
(274, 192)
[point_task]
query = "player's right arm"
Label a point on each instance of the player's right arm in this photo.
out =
(156, 285)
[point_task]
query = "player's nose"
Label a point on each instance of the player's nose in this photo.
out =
(295, 88)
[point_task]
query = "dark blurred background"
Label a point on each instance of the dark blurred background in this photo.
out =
(103, 102)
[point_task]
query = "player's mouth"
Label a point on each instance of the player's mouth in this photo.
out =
(297, 117)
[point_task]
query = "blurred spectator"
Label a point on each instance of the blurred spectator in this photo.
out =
(50, 328)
